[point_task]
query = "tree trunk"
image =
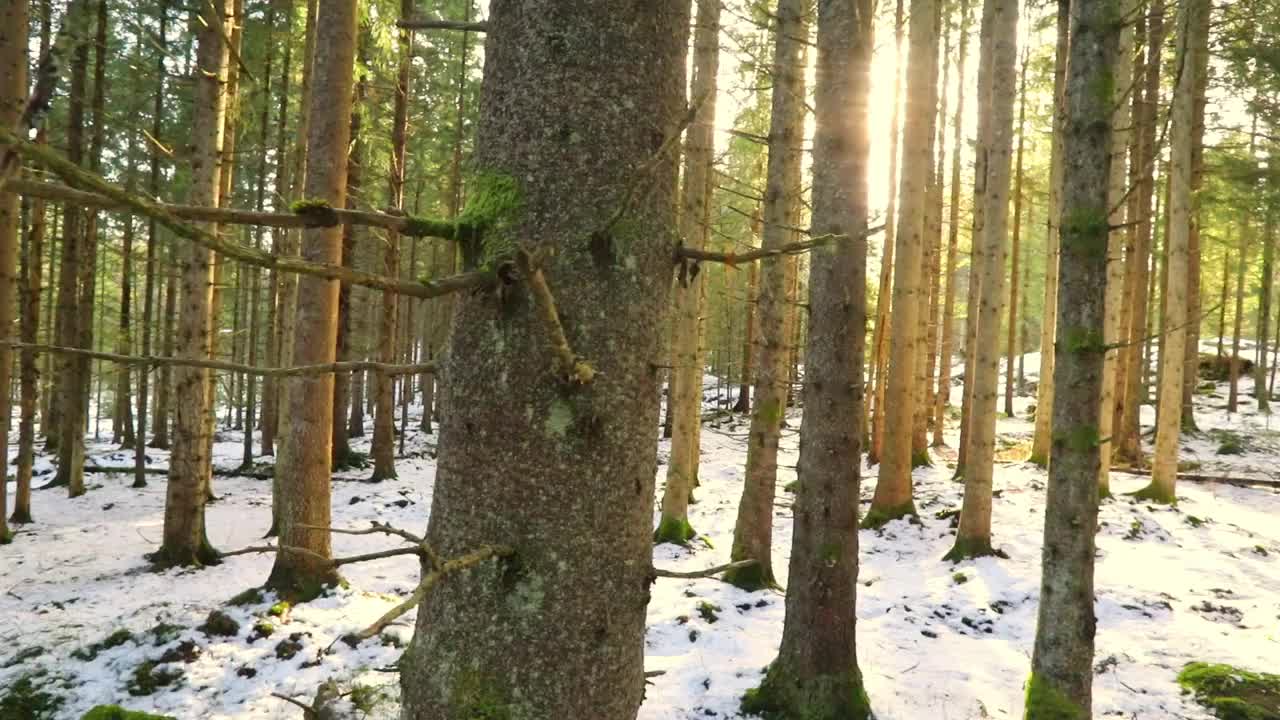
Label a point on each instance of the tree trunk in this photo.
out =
(743, 404)
(942, 397)
(753, 531)
(493, 637)
(816, 672)
(342, 457)
(931, 270)
(1041, 440)
(29, 318)
(13, 91)
(122, 415)
(185, 541)
(1062, 661)
(1015, 351)
(1000, 48)
(1178, 320)
(1199, 57)
(880, 333)
(1242, 262)
(304, 468)
(1264, 312)
(1128, 444)
(686, 355)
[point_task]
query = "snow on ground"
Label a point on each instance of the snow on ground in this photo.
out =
(1195, 582)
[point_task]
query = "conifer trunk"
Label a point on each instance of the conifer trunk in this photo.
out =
(1015, 243)
(13, 91)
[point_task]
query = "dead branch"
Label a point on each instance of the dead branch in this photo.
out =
(572, 368)
(376, 528)
(1196, 477)
(434, 24)
(795, 248)
(75, 175)
(708, 572)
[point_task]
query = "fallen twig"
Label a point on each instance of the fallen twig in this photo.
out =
(708, 572)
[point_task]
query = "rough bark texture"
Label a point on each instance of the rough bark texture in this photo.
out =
(342, 456)
(1178, 321)
(567, 128)
(185, 542)
(686, 354)
(1264, 313)
(1041, 441)
(13, 91)
(149, 280)
(304, 468)
(816, 673)
(1198, 62)
(743, 403)
(1014, 351)
(753, 531)
(1060, 686)
(973, 538)
(893, 496)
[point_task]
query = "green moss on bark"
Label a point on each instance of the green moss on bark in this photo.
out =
(879, 517)
(970, 547)
(115, 712)
(1155, 494)
(920, 458)
(753, 577)
(1048, 703)
(673, 530)
(784, 696)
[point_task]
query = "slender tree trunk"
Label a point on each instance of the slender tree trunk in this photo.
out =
(1178, 318)
(1014, 350)
(753, 531)
(1264, 313)
(932, 269)
(1222, 302)
(342, 456)
(508, 618)
(743, 404)
(1242, 262)
(1199, 57)
(164, 383)
(304, 467)
(686, 376)
(816, 672)
(122, 415)
(881, 332)
(942, 397)
(1000, 46)
(1041, 440)
(1127, 430)
(185, 541)
(1062, 661)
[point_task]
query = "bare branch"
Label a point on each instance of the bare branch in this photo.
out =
(433, 24)
(794, 248)
(572, 367)
(708, 572)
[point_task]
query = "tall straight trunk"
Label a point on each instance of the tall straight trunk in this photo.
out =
(507, 618)
(1178, 317)
(1041, 439)
(341, 445)
(67, 438)
(1015, 243)
(743, 403)
(279, 244)
(1000, 47)
(980, 147)
(753, 531)
(122, 415)
(893, 496)
(383, 446)
(1061, 679)
(1113, 333)
(880, 333)
(185, 541)
(1199, 57)
(1127, 443)
(932, 268)
(29, 319)
(164, 382)
(1242, 261)
(688, 290)
(942, 396)
(13, 91)
(816, 672)
(1222, 302)
(1264, 313)
(304, 467)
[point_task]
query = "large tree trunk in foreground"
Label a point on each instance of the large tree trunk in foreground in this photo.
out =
(559, 147)
(816, 672)
(1061, 679)
(13, 90)
(893, 496)
(1041, 440)
(185, 542)
(305, 455)
(1178, 321)
(686, 375)
(753, 531)
(973, 538)
(1198, 59)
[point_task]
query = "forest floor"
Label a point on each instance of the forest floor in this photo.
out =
(1199, 581)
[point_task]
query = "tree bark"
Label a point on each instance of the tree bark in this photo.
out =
(342, 455)
(304, 468)
(185, 541)
(753, 530)
(493, 637)
(1015, 244)
(1264, 312)
(1062, 660)
(686, 353)
(13, 91)
(1199, 57)
(893, 496)
(1000, 46)
(816, 672)
(743, 404)
(1041, 440)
